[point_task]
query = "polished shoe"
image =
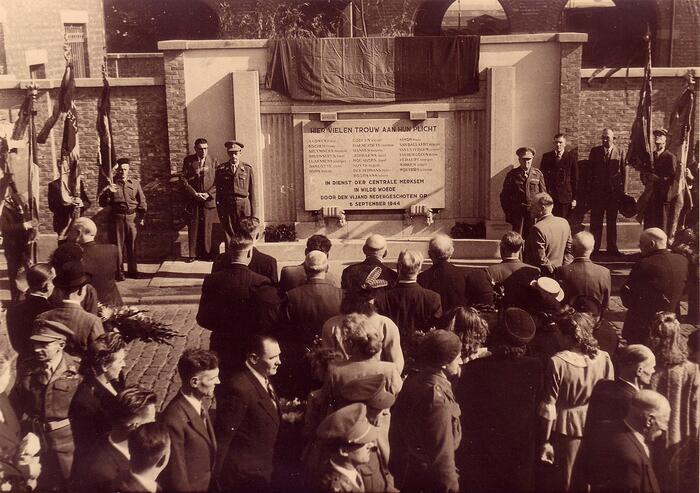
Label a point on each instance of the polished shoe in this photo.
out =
(119, 277)
(614, 252)
(189, 260)
(133, 275)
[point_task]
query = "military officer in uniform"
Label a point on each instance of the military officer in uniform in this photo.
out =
(46, 384)
(127, 204)
(235, 191)
(425, 428)
(519, 189)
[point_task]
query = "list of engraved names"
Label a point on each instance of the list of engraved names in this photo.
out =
(374, 164)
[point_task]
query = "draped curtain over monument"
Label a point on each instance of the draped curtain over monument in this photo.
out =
(374, 69)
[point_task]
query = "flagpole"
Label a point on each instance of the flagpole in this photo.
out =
(33, 213)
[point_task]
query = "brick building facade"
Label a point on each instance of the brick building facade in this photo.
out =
(32, 35)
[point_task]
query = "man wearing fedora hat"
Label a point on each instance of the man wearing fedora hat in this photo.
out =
(127, 204)
(663, 171)
(235, 191)
(46, 384)
(85, 327)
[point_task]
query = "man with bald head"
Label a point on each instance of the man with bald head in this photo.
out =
(99, 260)
(457, 286)
(656, 283)
(615, 456)
(605, 185)
(610, 398)
(356, 274)
(582, 276)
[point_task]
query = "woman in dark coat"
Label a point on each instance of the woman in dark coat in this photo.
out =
(499, 395)
(97, 393)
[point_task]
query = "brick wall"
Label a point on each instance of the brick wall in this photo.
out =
(140, 133)
(614, 103)
(135, 65)
(36, 25)
(686, 39)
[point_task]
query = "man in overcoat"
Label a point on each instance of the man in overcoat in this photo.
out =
(560, 170)
(198, 171)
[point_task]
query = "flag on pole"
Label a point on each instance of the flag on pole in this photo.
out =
(64, 103)
(106, 157)
(33, 164)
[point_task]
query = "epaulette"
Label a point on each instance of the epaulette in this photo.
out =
(440, 398)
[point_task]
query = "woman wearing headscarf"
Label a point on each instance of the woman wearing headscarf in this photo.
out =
(677, 379)
(569, 379)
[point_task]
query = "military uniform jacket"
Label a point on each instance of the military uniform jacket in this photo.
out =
(664, 166)
(425, 428)
(200, 179)
(49, 402)
(232, 185)
(332, 481)
(561, 175)
(519, 191)
(128, 198)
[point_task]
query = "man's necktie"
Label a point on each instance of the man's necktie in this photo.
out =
(360, 483)
(45, 374)
(205, 419)
(271, 392)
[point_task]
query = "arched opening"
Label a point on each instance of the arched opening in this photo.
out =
(615, 30)
(480, 17)
(137, 26)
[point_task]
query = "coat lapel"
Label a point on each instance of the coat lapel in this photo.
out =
(264, 398)
(196, 421)
(647, 471)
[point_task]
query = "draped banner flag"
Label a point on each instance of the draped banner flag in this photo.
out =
(106, 157)
(374, 69)
(681, 128)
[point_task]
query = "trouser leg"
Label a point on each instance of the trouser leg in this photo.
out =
(130, 242)
(597, 212)
(117, 233)
(611, 219)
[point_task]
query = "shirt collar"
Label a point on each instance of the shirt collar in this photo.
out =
(635, 387)
(351, 474)
(72, 302)
(149, 483)
(37, 294)
(260, 378)
(195, 403)
(639, 437)
(122, 447)
(55, 363)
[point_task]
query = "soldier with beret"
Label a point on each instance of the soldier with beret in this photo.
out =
(127, 204)
(349, 439)
(46, 384)
(519, 189)
(235, 191)
(425, 427)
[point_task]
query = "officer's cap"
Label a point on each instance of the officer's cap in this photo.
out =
(661, 131)
(49, 331)
(233, 144)
(523, 151)
(123, 160)
(348, 425)
(370, 390)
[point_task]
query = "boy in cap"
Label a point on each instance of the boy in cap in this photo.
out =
(425, 428)
(45, 386)
(235, 191)
(519, 189)
(349, 438)
(127, 204)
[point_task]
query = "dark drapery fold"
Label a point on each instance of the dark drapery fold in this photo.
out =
(376, 70)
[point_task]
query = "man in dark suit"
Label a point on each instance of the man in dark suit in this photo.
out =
(197, 178)
(375, 250)
(238, 294)
(582, 276)
(610, 398)
(510, 247)
(295, 275)
(71, 282)
(663, 163)
(248, 419)
(656, 283)
(519, 189)
(260, 263)
(193, 449)
(549, 243)
(411, 306)
(63, 211)
(109, 457)
(457, 286)
(604, 185)
(560, 170)
(235, 190)
(20, 316)
(616, 457)
(149, 453)
(100, 261)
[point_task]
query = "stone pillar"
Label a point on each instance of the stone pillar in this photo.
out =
(570, 91)
(247, 129)
(174, 67)
(500, 110)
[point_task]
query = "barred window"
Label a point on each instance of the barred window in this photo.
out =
(76, 37)
(3, 59)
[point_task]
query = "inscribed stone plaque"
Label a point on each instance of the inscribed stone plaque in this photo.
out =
(374, 164)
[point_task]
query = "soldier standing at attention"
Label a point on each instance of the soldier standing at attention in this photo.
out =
(519, 189)
(425, 428)
(235, 191)
(127, 204)
(46, 384)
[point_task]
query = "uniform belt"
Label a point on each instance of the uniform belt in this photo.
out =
(56, 425)
(238, 196)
